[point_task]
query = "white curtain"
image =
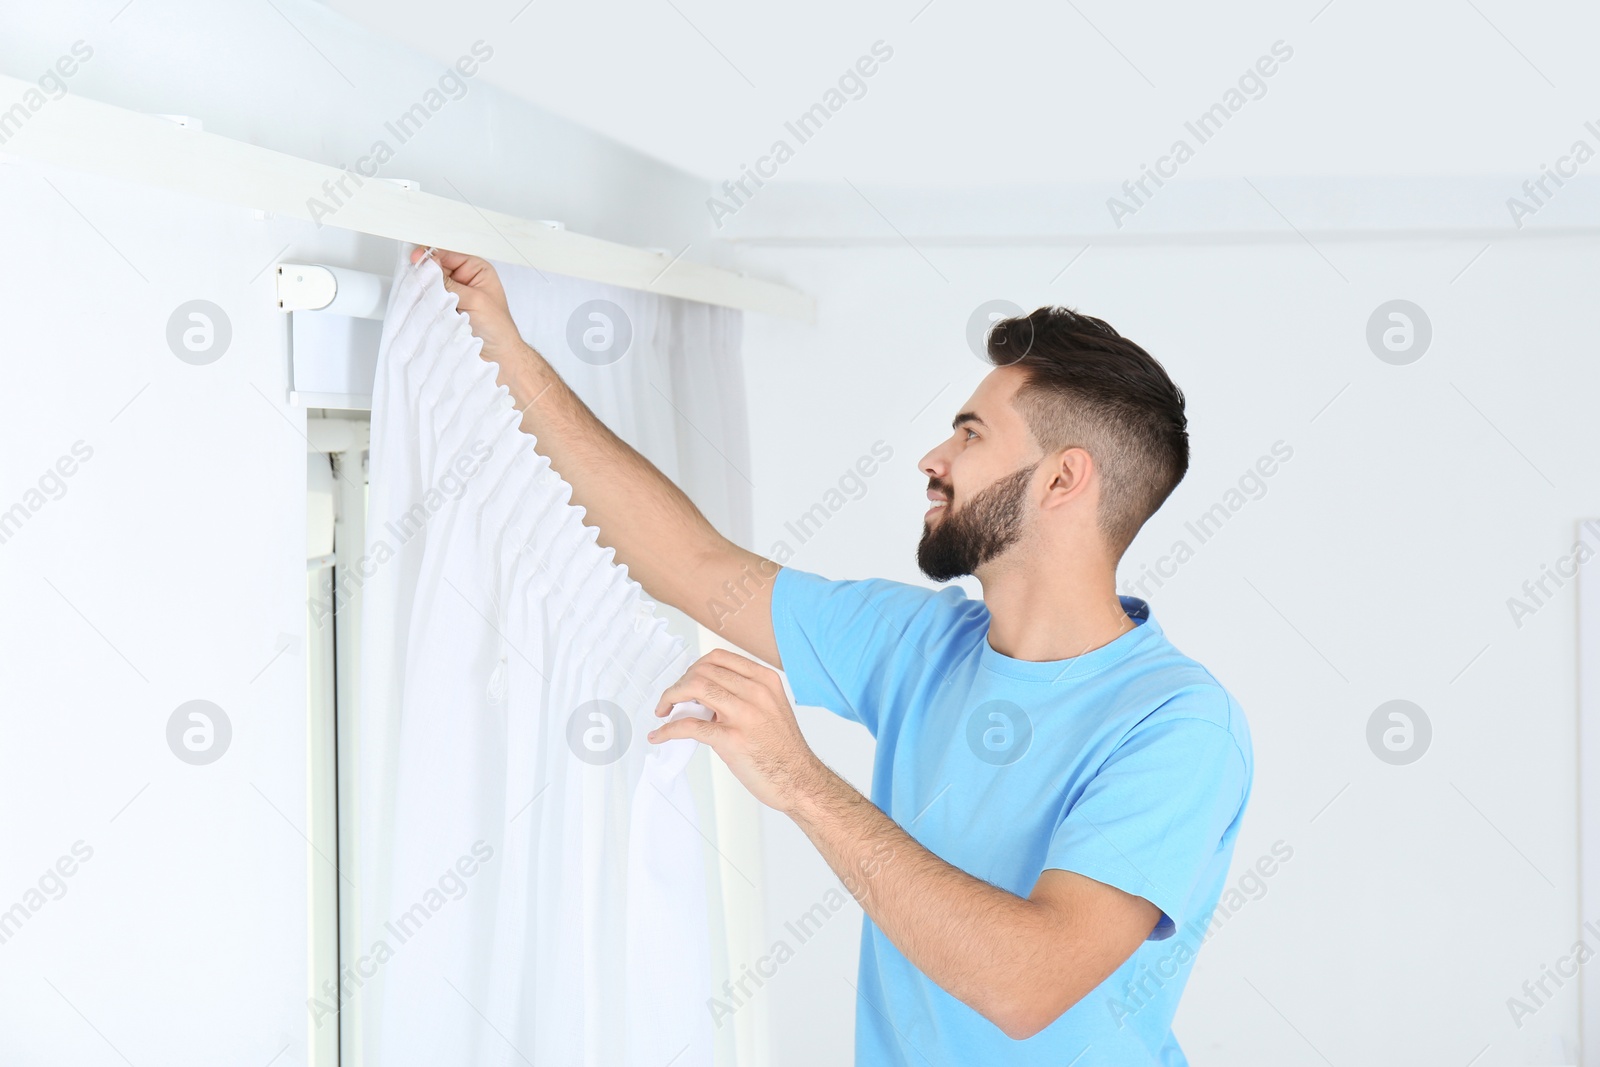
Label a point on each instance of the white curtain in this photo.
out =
(531, 873)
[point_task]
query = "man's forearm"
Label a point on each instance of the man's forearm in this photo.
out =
(981, 944)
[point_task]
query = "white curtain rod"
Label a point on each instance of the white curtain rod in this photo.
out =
(76, 132)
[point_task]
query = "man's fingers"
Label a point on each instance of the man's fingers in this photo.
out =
(746, 668)
(723, 681)
(723, 702)
(469, 270)
(718, 688)
(732, 661)
(699, 729)
(457, 266)
(676, 693)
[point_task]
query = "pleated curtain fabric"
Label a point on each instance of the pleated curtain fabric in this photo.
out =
(532, 875)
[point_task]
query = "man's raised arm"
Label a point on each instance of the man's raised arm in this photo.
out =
(667, 544)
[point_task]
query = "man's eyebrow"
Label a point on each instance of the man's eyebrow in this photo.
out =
(964, 418)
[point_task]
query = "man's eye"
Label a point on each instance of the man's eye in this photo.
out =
(970, 433)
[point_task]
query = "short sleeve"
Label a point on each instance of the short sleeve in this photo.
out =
(852, 646)
(1153, 819)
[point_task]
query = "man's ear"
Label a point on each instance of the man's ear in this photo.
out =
(1071, 471)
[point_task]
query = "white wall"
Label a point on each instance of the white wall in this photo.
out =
(1376, 565)
(163, 570)
(1014, 89)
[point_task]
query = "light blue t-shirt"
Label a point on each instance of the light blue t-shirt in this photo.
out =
(1129, 764)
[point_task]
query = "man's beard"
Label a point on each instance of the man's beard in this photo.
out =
(964, 540)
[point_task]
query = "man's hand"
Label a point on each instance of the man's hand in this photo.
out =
(480, 294)
(753, 728)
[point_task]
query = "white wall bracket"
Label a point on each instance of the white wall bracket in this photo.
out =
(335, 326)
(314, 287)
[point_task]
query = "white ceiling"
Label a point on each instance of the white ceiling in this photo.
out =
(1017, 91)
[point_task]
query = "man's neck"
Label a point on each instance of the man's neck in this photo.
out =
(1041, 613)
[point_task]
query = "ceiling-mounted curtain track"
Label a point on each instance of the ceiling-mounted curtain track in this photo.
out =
(105, 139)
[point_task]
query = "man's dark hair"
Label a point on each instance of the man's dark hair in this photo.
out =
(1089, 387)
